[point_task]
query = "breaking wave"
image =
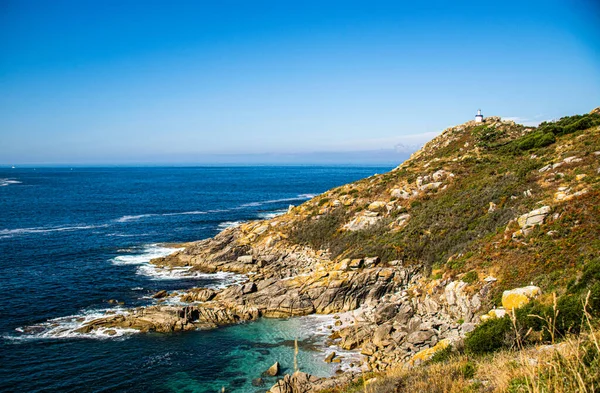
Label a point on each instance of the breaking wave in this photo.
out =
(145, 255)
(66, 327)
(142, 257)
(221, 279)
(8, 182)
(25, 231)
(299, 197)
(228, 224)
(273, 214)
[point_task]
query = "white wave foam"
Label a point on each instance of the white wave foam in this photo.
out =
(25, 231)
(299, 197)
(128, 235)
(137, 217)
(319, 325)
(148, 253)
(65, 327)
(228, 224)
(192, 213)
(273, 214)
(8, 182)
(224, 279)
(142, 216)
(133, 218)
(152, 251)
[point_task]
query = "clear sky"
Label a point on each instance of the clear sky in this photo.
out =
(92, 82)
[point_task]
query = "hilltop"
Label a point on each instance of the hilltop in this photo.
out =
(486, 220)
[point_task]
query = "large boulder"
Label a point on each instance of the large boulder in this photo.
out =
(420, 336)
(198, 295)
(362, 221)
(377, 206)
(399, 193)
(381, 337)
(298, 382)
(245, 259)
(518, 297)
(534, 217)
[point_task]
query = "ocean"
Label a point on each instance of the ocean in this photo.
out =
(71, 239)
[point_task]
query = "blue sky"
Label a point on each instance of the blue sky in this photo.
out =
(121, 82)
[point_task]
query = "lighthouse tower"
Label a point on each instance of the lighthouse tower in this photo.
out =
(479, 117)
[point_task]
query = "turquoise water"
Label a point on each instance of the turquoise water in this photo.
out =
(72, 239)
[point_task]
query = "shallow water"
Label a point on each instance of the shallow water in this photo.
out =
(70, 240)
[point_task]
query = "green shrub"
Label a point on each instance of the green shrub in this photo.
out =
(323, 201)
(570, 314)
(518, 385)
(318, 232)
(490, 336)
(545, 140)
(442, 356)
(536, 139)
(468, 370)
(570, 124)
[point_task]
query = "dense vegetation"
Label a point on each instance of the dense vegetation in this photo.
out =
(468, 230)
(542, 323)
(451, 229)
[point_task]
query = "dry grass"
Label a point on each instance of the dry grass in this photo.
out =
(570, 366)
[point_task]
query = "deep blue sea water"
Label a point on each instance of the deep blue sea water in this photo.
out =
(71, 239)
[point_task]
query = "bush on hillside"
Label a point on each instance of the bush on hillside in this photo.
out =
(546, 132)
(535, 320)
(490, 336)
(318, 232)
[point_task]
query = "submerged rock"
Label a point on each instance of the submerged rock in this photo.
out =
(258, 382)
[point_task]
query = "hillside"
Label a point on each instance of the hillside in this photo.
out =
(419, 255)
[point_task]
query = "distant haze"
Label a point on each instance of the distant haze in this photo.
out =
(280, 82)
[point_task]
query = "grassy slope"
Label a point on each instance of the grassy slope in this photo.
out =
(452, 234)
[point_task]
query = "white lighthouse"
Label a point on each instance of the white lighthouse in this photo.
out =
(479, 117)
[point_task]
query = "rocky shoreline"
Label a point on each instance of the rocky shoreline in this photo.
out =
(382, 310)
(396, 313)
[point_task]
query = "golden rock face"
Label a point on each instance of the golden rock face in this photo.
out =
(518, 297)
(514, 301)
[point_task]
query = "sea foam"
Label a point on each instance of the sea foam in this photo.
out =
(299, 197)
(228, 224)
(8, 182)
(142, 257)
(66, 327)
(145, 255)
(273, 214)
(25, 231)
(221, 279)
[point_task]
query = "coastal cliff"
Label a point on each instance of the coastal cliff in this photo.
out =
(481, 221)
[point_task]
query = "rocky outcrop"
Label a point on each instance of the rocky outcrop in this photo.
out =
(273, 370)
(363, 220)
(530, 220)
(533, 218)
(401, 325)
(285, 281)
(298, 382)
(518, 297)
